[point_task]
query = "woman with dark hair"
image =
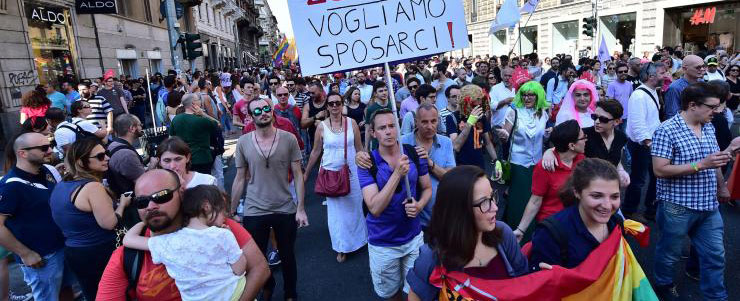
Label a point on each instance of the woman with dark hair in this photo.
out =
(354, 108)
(174, 101)
(334, 87)
(174, 154)
(84, 210)
(570, 142)
(591, 196)
(465, 236)
(36, 124)
(33, 104)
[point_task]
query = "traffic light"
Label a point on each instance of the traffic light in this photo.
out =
(589, 25)
(193, 46)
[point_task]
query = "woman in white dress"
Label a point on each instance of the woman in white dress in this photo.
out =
(174, 154)
(347, 227)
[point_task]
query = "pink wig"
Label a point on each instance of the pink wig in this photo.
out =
(570, 104)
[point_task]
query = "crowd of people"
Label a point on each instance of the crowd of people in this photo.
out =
(457, 163)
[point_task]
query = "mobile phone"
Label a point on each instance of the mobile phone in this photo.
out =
(128, 193)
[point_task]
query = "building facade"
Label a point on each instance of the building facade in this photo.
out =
(47, 42)
(269, 41)
(637, 26)
(226, 34)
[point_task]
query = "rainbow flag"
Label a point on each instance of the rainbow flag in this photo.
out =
(277, 57)
(610, 272)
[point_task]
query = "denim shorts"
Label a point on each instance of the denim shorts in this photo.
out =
(389, 265)
(47, 282)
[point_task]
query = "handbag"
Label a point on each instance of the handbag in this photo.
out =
(733, 184)
(331, 183)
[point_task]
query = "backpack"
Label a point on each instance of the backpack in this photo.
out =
(120, 184)
(409, 151)
(77, 129)
(132, 262)
(561, 238)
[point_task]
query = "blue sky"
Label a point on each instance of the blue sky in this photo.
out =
(280, 10)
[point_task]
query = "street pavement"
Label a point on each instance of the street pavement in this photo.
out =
(320, 277)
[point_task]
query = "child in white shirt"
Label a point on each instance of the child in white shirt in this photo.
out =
(203, 258)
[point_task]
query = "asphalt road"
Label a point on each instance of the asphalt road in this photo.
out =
(320, 277)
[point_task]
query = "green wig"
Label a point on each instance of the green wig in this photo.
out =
(532, 87)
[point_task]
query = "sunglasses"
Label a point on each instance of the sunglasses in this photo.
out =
(44, 148)
(621, 72)
(413, 87)
(609, 68)
(273, 83)
(734, 70)
(258, 111)
(283, 95)
(159, 197)
(99, 156)
(86, 107)
(334, 103)
(601, 119)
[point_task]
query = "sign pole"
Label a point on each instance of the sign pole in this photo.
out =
(392, 100)
(148, 84)
(173, 34)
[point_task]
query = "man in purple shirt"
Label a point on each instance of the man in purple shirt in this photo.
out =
(394, 231)
(621, 89)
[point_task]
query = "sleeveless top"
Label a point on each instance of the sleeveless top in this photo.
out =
(79, 228)
(333, 157)
(358, 114)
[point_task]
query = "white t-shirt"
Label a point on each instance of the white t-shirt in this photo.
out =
(498, 93)
(714, 75)
(64, 136)
(199, 261)
(201, 179)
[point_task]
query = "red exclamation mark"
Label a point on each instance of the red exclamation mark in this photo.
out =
(449, 28)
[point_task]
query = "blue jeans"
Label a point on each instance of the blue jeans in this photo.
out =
(640, 175)
(225, 118)
(47, 282)
(705, 229)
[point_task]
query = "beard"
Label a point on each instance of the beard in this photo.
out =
(139, 133)
(160, 225)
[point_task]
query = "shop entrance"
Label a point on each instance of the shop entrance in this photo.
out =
(53, 44)
(703, 27)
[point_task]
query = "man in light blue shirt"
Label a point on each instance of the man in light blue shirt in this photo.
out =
(71, 94)
(556, 91)
(693, 70)
(58, 100)
(441, 84)
(438, 149)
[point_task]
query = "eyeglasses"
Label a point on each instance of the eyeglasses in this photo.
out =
(290, 85)
(99, 156)
(273, 83)
(334, 103)
(713, 107)
(259, 111)
(609, 68)
(159, 197)
(734, 70)
(44, 148)
(601, 119)
(529, 95)
(491, 78)
(486, 204)
(283, 95)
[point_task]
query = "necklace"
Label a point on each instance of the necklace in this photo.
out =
(269, 153)
(341, 126)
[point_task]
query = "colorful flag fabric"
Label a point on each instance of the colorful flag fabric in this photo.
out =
(603, 53)
(529, 6)
(507, 16)
(610, 272)
(277, 57)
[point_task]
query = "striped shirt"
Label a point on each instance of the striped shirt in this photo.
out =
(100, 108)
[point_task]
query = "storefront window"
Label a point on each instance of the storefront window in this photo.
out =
(52, 41)
(619, 31)
(565, 38)
(702, 27)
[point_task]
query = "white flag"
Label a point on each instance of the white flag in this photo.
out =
(507, 16)
(603, 52)
(529, 6)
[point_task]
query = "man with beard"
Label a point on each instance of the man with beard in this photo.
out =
(268, 159)
(621, 89)
(125, 164)
(552, 73)
(26, 225)
(195, 127)
(481, 77)
(158, 198)
(114, 95)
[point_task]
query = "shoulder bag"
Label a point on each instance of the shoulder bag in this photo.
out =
(332, 183)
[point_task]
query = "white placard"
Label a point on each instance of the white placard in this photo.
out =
(333, 35)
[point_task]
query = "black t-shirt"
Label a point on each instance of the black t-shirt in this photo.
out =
(734, 101)
(595, 147)
(138, 92)
(722, 130)
(469, 154)
(635, 80)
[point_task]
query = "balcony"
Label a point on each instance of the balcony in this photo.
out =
(218, 3)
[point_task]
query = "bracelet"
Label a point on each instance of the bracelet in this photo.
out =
(520, 230)
(695, 166)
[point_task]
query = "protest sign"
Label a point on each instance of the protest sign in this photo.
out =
(333, 35)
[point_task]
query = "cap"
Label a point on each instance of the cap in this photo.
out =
(712, 61)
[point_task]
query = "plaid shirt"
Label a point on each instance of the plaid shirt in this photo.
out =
(673, 140)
